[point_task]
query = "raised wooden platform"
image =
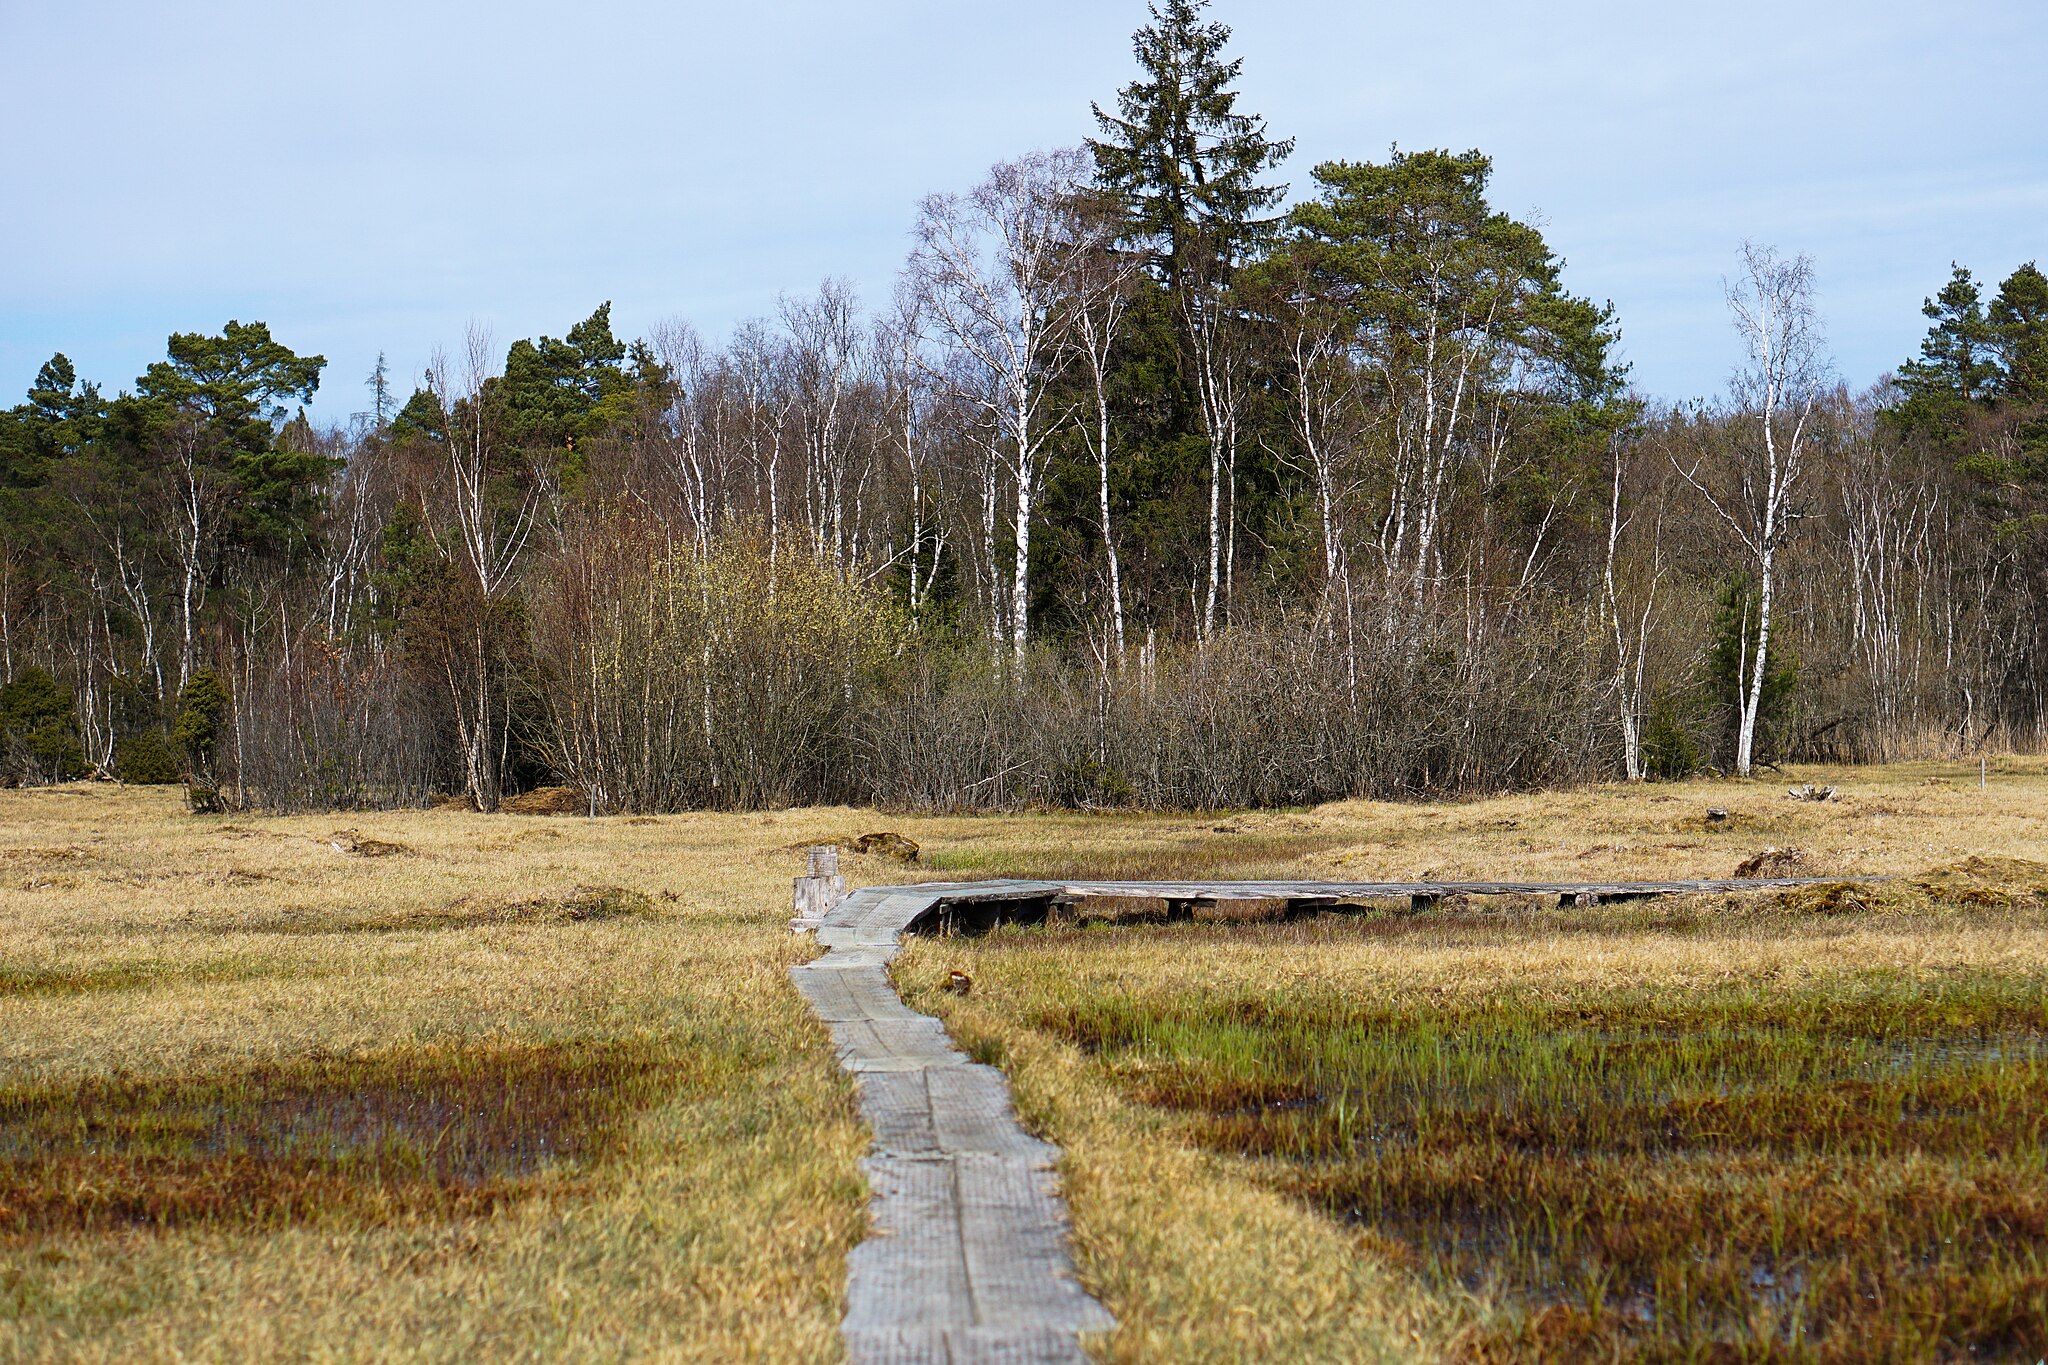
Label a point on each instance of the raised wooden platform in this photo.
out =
(967, 1263)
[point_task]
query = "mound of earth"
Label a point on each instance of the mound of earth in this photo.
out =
(363, 846)
(1776, 862)
(546, 801)
(1978, 880)
(887, 844)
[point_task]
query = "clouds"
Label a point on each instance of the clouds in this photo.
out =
(370, 176)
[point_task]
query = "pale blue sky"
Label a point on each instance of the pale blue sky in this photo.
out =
(373, 175)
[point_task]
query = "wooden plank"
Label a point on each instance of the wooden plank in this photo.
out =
(968, 1257)
(967, 1260)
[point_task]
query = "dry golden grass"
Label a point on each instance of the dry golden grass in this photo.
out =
(239, 975)
(1204, 1256)
(631, 1138)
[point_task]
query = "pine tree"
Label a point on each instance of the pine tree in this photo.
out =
(2018, 326)
(1955, 358)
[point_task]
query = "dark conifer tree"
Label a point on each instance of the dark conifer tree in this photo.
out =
(1180, 159)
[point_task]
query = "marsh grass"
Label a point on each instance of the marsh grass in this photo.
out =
(538, 1088)
(1803, 1126)
(1856, 1168)
(530, 1089)
(376, 1139)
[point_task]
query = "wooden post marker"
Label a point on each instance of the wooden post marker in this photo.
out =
(819, 889)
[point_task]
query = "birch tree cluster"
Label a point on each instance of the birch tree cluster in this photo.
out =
(1144, 486)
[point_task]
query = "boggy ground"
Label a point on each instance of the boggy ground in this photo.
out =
(439, 1086)
(1810, 1126)
(429, 1086)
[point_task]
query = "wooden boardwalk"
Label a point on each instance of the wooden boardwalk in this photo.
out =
(967, 1260)
(967, 1263)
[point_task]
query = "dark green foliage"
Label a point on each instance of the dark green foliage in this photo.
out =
(1956, 368)
(1156, 482)
(555, 393)
(39, 730)
(1982, 372)
(237, 380)
(420, 419)
(59, 418)
(1978, 398)
(1412, 250)
(234, 388)
(1177, 155)
(1731, 659)
(1184, 170)
(147, 759)
(1670, 753)
(202, 718)
(2019, 328)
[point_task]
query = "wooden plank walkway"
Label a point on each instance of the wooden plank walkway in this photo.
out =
(967, 1260)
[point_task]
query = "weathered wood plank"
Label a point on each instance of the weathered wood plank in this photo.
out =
(968, 1258)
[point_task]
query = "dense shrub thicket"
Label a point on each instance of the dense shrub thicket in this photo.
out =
(1147, 491)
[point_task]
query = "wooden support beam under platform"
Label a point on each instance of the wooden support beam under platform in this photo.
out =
(975, 907)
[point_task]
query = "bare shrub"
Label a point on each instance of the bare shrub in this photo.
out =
(688, 677)
(321, 726)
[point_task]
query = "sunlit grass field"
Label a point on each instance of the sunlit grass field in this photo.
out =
(439, 1086)
(502, 1087)
(1810, 1126)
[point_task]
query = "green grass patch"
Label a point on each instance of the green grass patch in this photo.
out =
(20, 982)
(404, 1134)
(582, 905)
(1854, 1168)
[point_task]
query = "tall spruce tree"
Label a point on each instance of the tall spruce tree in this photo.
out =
(1184, 168)
(1182, 162)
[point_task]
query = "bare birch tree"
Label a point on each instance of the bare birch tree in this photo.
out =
(1629, 601)
(826, 344)
(990, 273)
(1776, 390)
(1101, 297)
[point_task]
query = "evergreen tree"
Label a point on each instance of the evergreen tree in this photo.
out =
(234, 387)
(557, 392)
(1979, 389)
(1731, 655)
(38, 730)
(1957, 367)
(2018, 326)
(1184, 169)
(1180, 159)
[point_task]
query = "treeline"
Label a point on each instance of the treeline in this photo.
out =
(1139, 491)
